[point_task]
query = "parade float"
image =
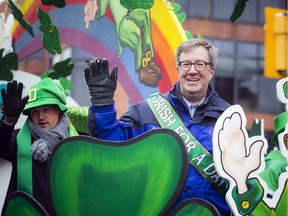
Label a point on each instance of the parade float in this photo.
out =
(129, 33)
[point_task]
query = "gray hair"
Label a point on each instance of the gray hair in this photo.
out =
(187, 45)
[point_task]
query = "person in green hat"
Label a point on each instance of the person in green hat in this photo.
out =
(30, 147)
(275, 161)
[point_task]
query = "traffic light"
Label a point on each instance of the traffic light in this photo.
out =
(276, 43)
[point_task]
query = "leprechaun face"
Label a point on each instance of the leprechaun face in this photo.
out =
(46, 116)
(285, 139)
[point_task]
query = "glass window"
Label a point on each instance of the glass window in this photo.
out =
(267, 99)
(195, 8)
(261, 51)
(225, 67)
(224, 47)
(247, 49)
(246, 80)
(220, 12)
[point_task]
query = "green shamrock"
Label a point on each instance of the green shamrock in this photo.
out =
(58, 3)
(7, 63)
(89, 176)
(180, 15)
(18, 15)
(60, 71)
(115, 178)
(50, 36)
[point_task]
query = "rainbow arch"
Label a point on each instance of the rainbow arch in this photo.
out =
(101, 40)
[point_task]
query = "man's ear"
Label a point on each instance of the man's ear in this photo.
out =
(177, 68)
(212, 71)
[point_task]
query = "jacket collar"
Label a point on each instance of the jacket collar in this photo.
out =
(176, 93)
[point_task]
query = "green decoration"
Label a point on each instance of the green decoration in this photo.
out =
(238, 10)
(50, 36)
(141, 176)
(257, 128)
(66, 84)
(181, 18)
(132, 4)
(200, 36)
(189, 35)
(180, 15)
(58, 3)
(8, 63)
(18, 15)
(280, 122)
(22, 204)
(78, 117)
(60, 71)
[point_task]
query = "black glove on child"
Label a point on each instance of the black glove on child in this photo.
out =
(101, 83)
(13, 105)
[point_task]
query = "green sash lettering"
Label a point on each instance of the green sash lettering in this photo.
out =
(199, 157)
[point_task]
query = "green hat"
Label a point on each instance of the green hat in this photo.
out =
(279, 125)
(46, 92)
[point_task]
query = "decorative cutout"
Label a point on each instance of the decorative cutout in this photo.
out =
(20, 18)
(8, 63)
(50, 36)
(60, 71)
(58, 3)
(144, 4)
(238, 10)
(241, 160)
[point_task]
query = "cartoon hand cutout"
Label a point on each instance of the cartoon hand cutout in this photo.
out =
(90, 10)
(240, 155)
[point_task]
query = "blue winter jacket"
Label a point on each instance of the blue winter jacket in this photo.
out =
(102, 123)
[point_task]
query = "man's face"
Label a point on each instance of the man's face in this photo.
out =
(46, 116)
(193, 83)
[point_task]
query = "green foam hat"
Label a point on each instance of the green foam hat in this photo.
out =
(46, 92)
(279, 125)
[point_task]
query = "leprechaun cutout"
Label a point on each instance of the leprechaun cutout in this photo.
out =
(257, 183)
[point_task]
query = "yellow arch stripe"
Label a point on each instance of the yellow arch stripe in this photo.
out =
(163, 16)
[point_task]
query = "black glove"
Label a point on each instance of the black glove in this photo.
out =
(100, 82)
(13, 105)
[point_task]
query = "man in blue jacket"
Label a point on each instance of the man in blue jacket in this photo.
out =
(190, 108)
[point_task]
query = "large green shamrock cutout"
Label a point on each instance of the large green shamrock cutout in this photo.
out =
(58, 3)
(60, 71)
(50, 36)
(141, 176)
(18, 15)
(7, 63)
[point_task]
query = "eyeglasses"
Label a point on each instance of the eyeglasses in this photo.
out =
(199, 65)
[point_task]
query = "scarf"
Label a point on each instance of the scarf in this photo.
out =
(45, 141)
